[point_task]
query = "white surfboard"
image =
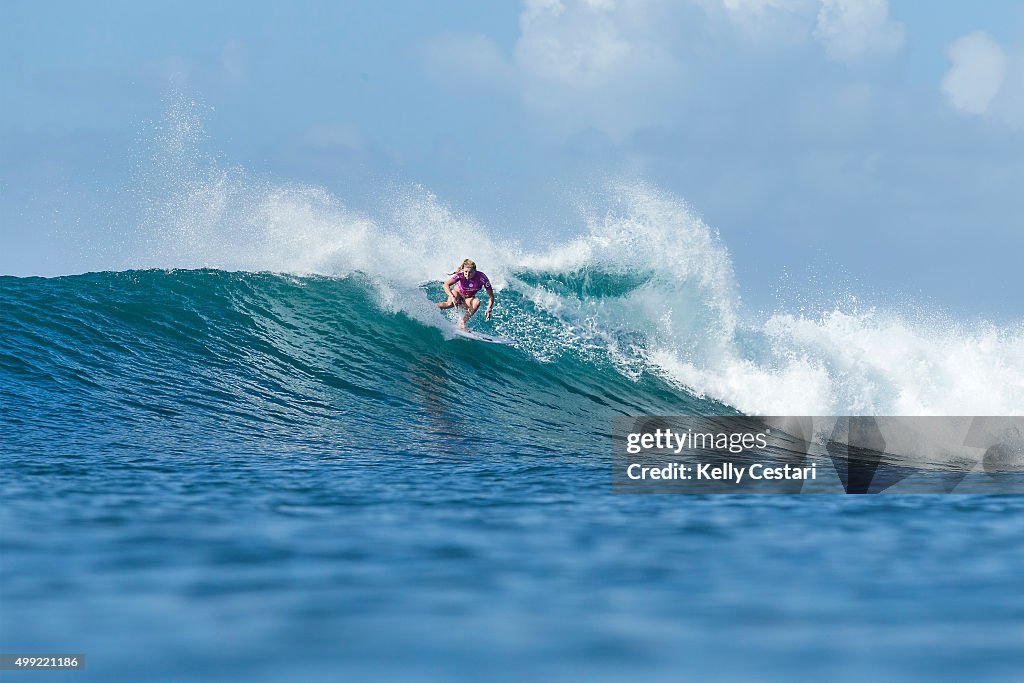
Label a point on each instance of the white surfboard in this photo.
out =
(478, 336)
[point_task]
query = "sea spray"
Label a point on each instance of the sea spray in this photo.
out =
(646, 286)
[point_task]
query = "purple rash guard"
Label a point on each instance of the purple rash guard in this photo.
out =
(470, 286)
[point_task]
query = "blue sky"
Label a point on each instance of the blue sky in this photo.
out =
(881, 143)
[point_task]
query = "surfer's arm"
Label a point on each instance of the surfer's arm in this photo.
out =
(490, 302)
(448, 288)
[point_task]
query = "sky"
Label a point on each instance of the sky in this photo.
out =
(870, 145)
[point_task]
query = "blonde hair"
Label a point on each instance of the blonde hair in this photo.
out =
(467, 262)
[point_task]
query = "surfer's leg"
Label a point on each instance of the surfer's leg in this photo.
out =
(459, 301)
(472, 305)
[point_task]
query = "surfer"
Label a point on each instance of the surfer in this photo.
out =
(468, 281)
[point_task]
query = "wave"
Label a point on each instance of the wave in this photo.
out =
(649, 286)
(286, 358)
(647, 289)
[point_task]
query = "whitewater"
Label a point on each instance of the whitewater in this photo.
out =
(646, 285)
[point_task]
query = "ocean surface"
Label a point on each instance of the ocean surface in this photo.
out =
(226, 474)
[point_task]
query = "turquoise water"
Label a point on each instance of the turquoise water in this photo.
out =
(237, 476)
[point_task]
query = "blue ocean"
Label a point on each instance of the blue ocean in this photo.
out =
(253, 449)
(214, 475)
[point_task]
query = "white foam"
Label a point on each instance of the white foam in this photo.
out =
(681, 319)
(684, 325)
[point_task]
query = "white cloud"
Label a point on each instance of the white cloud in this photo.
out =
(577, 46)
(848, 30)
(977, 73)
(783, 22)
(853, 29)
(985, 79)
(618, 66)
(609, 64)
(599, 64)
